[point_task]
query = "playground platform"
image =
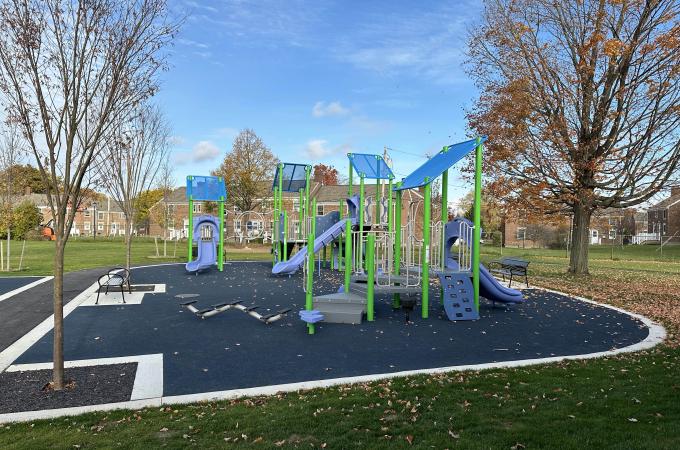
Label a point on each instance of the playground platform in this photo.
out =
(180, 357)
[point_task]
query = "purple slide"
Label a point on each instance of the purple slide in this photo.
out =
(206, 235)
(489, 287)
(206, 257)
(295, 262)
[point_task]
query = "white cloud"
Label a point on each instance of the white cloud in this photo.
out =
(323, 109)
(318, 148)
(176, 141)
(204, 151)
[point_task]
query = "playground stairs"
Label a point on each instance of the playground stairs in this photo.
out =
(458, 295)
(341, 307)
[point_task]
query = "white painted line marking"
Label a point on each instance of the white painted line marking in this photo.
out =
(16, 291)
(114, 297)
(148, 377)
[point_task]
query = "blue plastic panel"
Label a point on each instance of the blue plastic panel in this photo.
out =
(436, 165)
(294, 177)
(371, 166)
(206, 188)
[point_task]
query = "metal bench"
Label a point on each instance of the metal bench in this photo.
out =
(510, 267)
(114, 278)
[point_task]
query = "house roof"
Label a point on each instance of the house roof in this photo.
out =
(666, 203)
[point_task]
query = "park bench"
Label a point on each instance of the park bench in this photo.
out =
(510, 267)
(117, 278)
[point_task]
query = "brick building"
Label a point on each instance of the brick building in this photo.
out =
(174, 210)
(663, 218)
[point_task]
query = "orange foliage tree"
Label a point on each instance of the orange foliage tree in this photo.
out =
(581, 101)
(326, 175)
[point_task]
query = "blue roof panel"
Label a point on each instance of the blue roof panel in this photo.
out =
(440, 162)
(206, 188)
(294, 177)
(370, 166)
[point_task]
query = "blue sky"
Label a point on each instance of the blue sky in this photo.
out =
(318, 79)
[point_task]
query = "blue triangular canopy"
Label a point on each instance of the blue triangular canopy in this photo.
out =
(370, 166)
(440, 162)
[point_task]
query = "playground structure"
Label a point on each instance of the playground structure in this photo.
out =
(205, 230)
(380, 254)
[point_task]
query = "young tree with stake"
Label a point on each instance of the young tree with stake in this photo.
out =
(69, 71)
(131, 161)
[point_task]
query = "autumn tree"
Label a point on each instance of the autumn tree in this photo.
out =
(130, 162)
(248, 170)
(581, 104)
(69, 70)
(11, 154)
(326, 175)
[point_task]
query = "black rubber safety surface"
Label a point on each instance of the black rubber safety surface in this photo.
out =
(233, 350)
(8, 284)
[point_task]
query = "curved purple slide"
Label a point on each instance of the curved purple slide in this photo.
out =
(206, 257)
(489, 287)
(295, 262)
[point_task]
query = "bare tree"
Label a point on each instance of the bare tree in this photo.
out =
(581, 101)
(131, 161)
(12, 154)
(247, 169)
(69, 70)
(162, 213)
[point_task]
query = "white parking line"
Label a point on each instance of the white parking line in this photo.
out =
(16, 291)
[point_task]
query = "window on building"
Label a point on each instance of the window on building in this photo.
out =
(86, 213)
(197, 207)
(100, 227)
(296, 227)
(594, 233)
(319, 210)
(521, 233)
(612, 233)
(100, 215)
(86, 226)
(296, 205)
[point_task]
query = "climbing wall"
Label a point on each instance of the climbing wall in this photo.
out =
(459, 300)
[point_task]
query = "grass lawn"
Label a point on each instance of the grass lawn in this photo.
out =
(629, 401)
(86, 253)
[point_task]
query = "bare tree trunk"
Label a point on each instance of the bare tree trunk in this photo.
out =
(128, 242)
(57, 296)
(580, 240)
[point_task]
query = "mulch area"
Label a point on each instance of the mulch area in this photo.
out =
(654, 295)
(26, 391)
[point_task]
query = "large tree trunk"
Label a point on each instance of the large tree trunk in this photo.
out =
(58, 301)
(580, 240)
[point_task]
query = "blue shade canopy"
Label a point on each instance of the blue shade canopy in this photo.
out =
(206, 188)
(440, 162)
(293, 176)
(370, 166)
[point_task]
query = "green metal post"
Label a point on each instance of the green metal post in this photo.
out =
(190, 229)
(285, 236)
(477, 221)
(300, 234)
(370, 276)
(427, 221)
(309, 297)
(348, 253)
(275, 225)
(445, 219)
(313, 216)
(351, 169)
(377, 192)
(396, 300)
(308, 173)
(220, 257)
(361, 220)
(281, 250)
